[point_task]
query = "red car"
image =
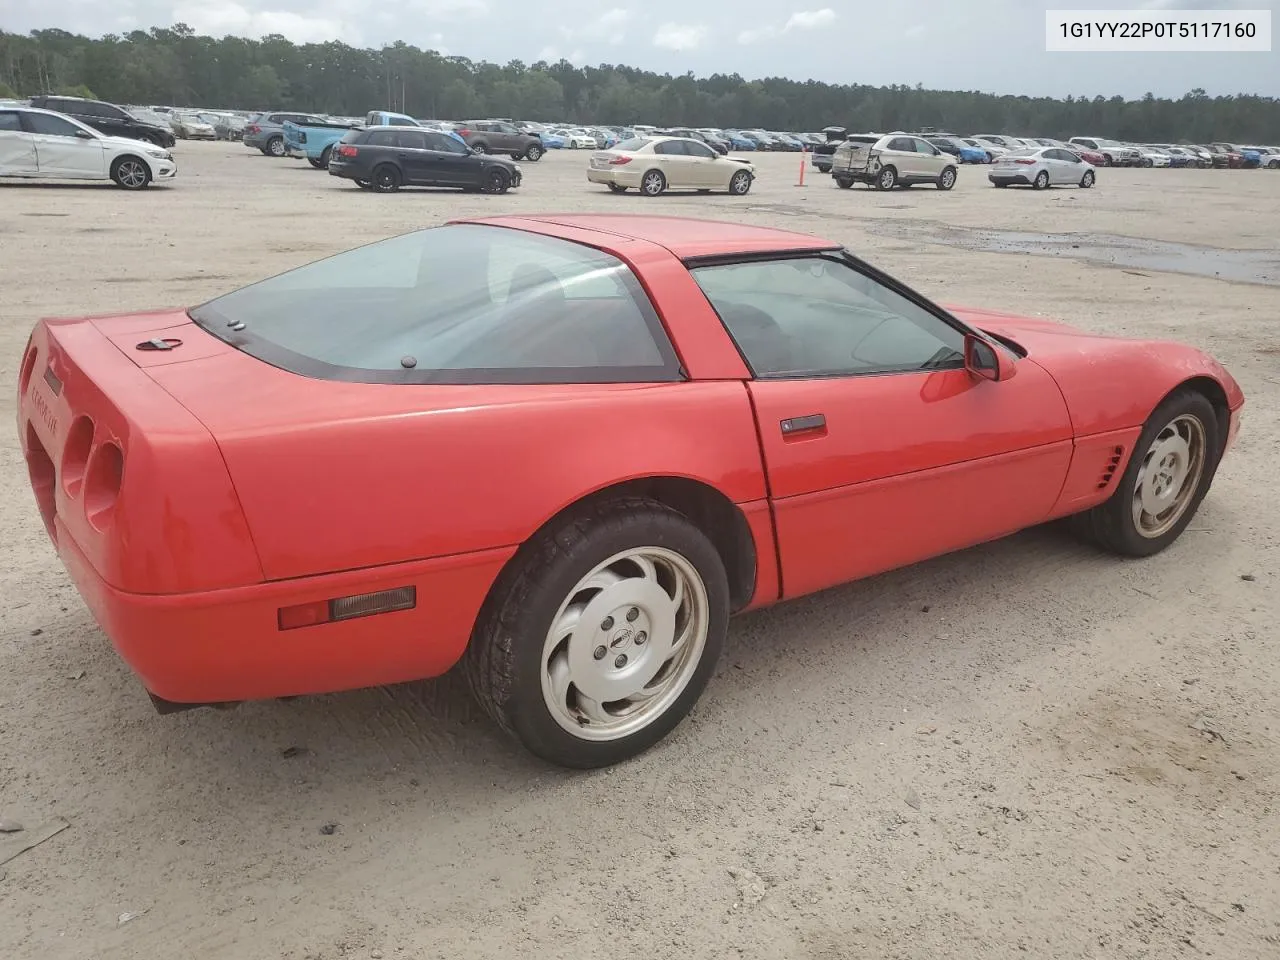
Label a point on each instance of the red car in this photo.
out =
(563, 450)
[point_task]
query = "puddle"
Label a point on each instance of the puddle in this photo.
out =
(1233, 266)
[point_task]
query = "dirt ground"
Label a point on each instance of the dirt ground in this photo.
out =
(989, 755)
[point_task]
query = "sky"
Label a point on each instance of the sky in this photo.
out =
(995, 46)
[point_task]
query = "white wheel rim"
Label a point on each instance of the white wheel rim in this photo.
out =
(132, 174)
(1168, 476)
(624, 644)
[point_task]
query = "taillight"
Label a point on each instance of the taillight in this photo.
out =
(463, 132)
(253, 128)
(346, 608)
(619, 161)
(1025, 160)
(346, 150)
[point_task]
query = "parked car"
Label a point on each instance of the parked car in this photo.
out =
(229, 126)
(962, 151)
(315, 141)
(822, 152)
(192, 126)
(1268, 157)
(1249, 158)
(586, 597)
(1042, 167)
(37, 143)
(265, 131)
(655, 164)
(1222, 157)
(107, 118)
(496, 136)
(890, 161)
(718, 144)
(384, 159)
(1114, 154)
(740, 141)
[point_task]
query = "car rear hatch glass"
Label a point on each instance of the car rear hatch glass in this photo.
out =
(853, 154)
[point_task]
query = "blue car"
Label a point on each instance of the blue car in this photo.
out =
(551, 140)
(739, 142)
(964, 152)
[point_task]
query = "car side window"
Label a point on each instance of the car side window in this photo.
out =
(670, 148)
(10, 121)
(817, 316)
(382, 138)
(445, 144)
(902, 144)
(48, 125)
(109, 111)
(926, 148)
(411, 140)
(1068, 156)
(698, 150)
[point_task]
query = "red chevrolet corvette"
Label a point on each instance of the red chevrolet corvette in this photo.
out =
(563, 450)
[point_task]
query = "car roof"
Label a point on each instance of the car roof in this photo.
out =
(682, 236)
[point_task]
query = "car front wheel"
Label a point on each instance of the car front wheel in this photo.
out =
(534, 153)
(1087, 180)
(1168, 475)
(948, 179)
(740, 183)
(130, 173)
(599, 639)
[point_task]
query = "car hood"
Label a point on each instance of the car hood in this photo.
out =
(1109, 383)
(131, 142)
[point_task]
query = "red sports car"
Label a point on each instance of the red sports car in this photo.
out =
(563, 450)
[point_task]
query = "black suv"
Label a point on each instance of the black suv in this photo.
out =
(387, 158)
(107, 117)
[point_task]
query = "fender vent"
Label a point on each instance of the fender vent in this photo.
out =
(1113, 464)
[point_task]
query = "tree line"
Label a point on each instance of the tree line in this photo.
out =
(175, 66)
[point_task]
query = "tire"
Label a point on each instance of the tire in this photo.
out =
(1087, 180)
(653, 183)
(740, 183)
(1148, 162)
(481, 147)
(386, 178)
(1042, 180)
(275, 147)
(1112, 525)
(887, 179)
(325, 154)
(130, 173)
(947, 179)
(534, 153)
(496, 180)
(1273, 165)
(364, 184)
(616, 188)
(1108, 160)
(316, 162)
(844, 183)
(532, 668)
(1001, 186)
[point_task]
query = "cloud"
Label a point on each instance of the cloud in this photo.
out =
(610, 27)
(917, 30)
(220, 19)
(451, 9)
(680, 36)
(810, 19)
(801, 20)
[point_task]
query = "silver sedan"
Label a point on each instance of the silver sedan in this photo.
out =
(1047, 166)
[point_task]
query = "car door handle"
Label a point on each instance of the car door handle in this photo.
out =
(793, 425)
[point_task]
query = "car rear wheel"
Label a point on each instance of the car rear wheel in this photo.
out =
(602, 634)
(386, 179)
(496, 181)
(480, 147)
(130, 173)
(616, 187)
(1167, 477)
(887, 179)
(1042, 180)
(740, 183)
(534, 153)
(653, 183)
(948, 179)
(844, 183)
(275, 147)
(1087, 180)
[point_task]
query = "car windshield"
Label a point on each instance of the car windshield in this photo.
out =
(632, 145)
(462, 303)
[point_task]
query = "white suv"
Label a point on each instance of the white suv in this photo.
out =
(41, 143)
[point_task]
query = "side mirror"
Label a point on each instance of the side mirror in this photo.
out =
(983, 360)
(84, 134)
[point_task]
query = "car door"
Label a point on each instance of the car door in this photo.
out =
(880, 448)
(65, 149)
(705, 169)
(900, 153)
(674, 163)
(112, 121)
(1064, 166)
(416, 161)
(17, 147)
(931, 160)
(453, 160)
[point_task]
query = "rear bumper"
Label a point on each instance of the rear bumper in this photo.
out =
(226, 645)
(622, 176)
(1009, 178)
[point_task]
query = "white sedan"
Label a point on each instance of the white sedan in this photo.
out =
(657, 164)
(1041, 168)
(576, 139)
(41, 143)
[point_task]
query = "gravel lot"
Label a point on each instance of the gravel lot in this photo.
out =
(989, 755)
